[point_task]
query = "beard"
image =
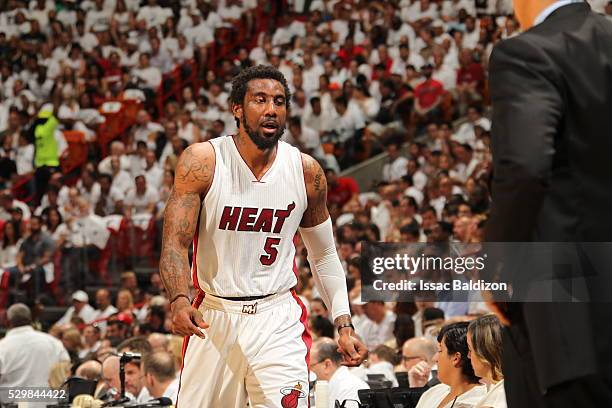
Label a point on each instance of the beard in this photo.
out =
(262, 141)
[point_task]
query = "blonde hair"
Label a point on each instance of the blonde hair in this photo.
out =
(130, 298)
(73, 338)
(486, 337)
(58, 374)
(175, 347)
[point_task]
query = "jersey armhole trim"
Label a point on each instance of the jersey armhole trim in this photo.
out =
(305, 190)
(214, 179)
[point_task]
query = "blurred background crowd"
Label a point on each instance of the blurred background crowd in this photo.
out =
(99, 98)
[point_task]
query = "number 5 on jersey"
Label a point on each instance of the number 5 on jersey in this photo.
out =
(270, 250)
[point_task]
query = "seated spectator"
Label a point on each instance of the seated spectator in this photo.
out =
(158, 341)
(321, 327)
(417, 359)
(11, 241)
(91, 341)
(105, 308)
(71, 339)
(381, 361)
(34, 258)
(485, 352)
(118, 328)
(340, 190)
(459, 385)
(160, 375)
(376, 327)
(142, 198)
(428, 96)
(325, 362)
(80, 307)
(134, 377)
(396, 168)
(90, 370)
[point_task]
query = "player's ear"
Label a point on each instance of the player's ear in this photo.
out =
(237, 111)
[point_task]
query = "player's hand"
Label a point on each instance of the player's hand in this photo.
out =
(187, 320)
(351, 348)
(418, 375)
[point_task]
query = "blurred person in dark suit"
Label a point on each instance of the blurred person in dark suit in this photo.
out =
(551, 90)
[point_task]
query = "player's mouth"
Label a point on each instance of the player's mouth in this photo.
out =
(269, 127)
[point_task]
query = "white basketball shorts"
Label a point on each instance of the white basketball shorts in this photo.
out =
(254, 351)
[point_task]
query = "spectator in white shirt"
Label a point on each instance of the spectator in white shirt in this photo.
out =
(159, 56)
(459, 385)
(350, 121)
(117, 149)
(146, 76)
(485, 351)
(418, 351)
(153, 172)
(160, 375)
(315, 117)
(376, 326)
(142, 198)
(465, 133)
(471, 36)
(304, 138)
(199, 33)
(121, 178)
(80, 307)
(145, 131)
(91, 340)
(325, 362)
(105, 308)
(397, 165)
(88, 187)
(26, 355)
(153, 14)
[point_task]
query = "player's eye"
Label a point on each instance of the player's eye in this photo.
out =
(280, 101)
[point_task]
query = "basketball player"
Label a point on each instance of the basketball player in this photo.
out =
(244, 197)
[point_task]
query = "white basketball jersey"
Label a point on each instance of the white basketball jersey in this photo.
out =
(244, 245)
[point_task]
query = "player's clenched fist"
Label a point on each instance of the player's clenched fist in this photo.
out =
(187, 320)
(351, 348)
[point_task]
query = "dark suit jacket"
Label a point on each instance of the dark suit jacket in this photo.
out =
(551, 90)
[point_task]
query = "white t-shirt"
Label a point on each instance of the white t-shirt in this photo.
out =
(375, 334)
(87, 313)
(151, 76)
(495, 398)
(434, 396)
(396, 169)
(141, 202)
(19, 368)
(343, 385)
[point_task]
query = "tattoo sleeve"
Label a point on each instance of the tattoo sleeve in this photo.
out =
(316, 189)
(340, 320)
(194, 173)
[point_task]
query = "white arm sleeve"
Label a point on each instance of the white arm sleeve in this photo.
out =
(326, 267)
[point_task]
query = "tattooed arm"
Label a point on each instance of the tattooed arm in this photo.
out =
(193, 176)
(317, 234)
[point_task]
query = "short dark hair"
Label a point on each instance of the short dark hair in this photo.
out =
(329, 350)
(321, 326)
(138, 344)
(159, 364)
(454, 336)
(241, 81)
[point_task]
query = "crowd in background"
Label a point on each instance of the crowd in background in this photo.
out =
(366, 77)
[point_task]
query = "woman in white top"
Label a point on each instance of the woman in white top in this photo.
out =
(485, 345)
(459, 386)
